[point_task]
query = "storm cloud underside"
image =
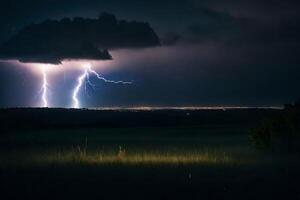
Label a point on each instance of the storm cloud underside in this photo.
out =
(79, 38)
(217, 52)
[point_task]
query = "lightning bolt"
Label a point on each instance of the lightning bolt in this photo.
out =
(44, 88)
(106, 80)
(85, 78)
(77, 88)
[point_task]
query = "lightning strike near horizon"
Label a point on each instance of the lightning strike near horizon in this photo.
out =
(85, 78)
(44, 88)
(77, 88)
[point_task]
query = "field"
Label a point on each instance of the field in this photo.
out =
(175, 160)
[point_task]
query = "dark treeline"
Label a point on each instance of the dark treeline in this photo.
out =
(37, 118)
(279, 131)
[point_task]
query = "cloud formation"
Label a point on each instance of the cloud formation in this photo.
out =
(79, 38)
(214, 52)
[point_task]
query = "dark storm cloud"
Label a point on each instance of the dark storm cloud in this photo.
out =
(196, 20)
(216, 51)
(260, 9)
(80, 38)
(170, 38)
(218, 26)
(241, 30)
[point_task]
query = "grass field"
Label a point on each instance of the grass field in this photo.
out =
(142, 163)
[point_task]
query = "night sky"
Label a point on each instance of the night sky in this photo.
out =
(233, 52)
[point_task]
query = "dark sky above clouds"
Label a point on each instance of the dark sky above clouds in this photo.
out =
(214, 52)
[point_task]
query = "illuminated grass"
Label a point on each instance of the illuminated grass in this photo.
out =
(80, 156)
(133, 158)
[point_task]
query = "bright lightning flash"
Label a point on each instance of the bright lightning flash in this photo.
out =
(44, 88)
(84, 77)
(77, 88)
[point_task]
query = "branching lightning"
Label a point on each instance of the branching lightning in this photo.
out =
(85, 78)
(77, 88)
(106, 80)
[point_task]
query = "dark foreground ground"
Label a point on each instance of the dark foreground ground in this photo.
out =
(152, 155)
